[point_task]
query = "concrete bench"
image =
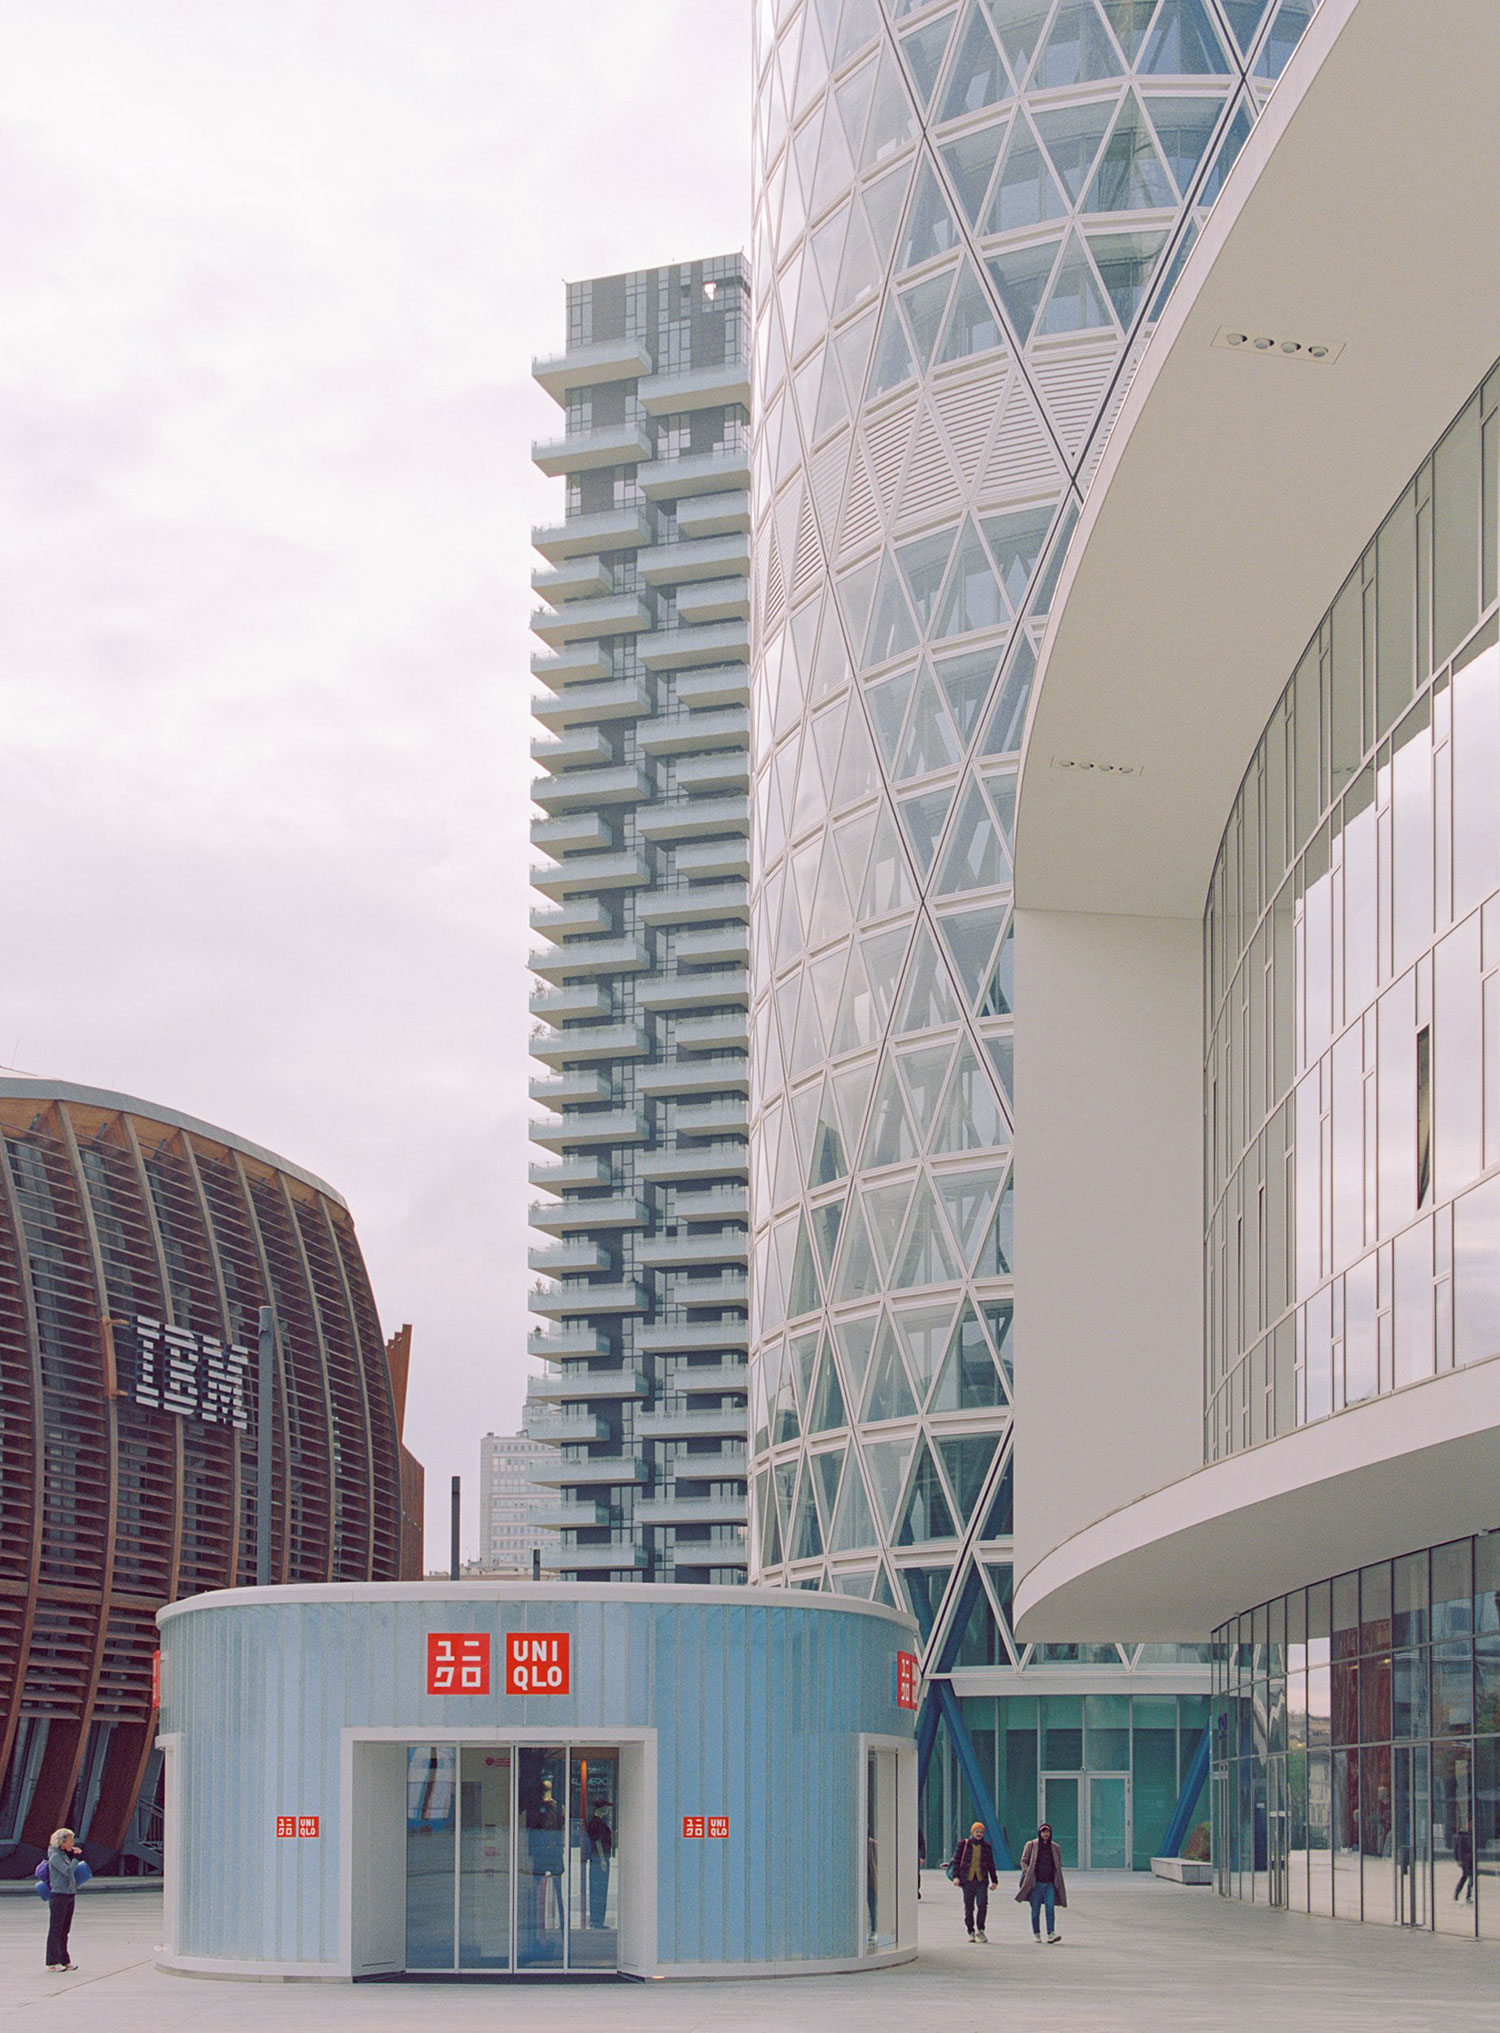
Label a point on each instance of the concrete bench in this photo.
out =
(1182, 1870)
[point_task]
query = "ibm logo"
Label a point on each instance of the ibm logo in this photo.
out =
(193, 1375)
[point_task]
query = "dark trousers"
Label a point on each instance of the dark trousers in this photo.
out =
(976, 1893)
(59, 1920)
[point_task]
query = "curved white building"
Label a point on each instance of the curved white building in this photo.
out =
(1258, 1018)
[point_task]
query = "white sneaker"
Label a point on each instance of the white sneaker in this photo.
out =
(971, 1934)
(1037, 1939)
(1053, 1940)
(981, 1935)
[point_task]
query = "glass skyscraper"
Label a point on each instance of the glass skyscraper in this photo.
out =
(643, 988)
(967, 218)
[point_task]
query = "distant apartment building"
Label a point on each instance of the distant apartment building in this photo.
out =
(644, 985)
(508, 1503)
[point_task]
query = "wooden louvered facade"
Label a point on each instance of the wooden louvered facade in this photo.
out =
(112, 1215)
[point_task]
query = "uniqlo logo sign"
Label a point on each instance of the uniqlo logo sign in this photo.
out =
(906, 1680)
(537, 1662)
(458, 1662)
(718, 1824)
(286, 1824)
(696, 1826)
(295, 1825)
(693, 1826)
(307, 1824)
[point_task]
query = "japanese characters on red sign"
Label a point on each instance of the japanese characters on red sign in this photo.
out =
(458, 1662)
(294, 1825)
(693, 1826)
(156, 1679)
(718, 1824)
(537, 1662)
(906, 1680)
(286, 1824)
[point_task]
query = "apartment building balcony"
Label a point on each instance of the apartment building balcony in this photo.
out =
(684, 1252)
(721, 946)
(557, 1258)
(707, 514)
(585, 577)
(658, 1424)
(694, 1076)
(595, 1471)
(615, 699)
(691, 733)
(675, 1510)
(727, 1031)
(724, 769)
(710, 557)
(723, 1377)
(693, 1337)
(585, 451)
(586, 366)
(604, 1041)
(584, 1301)
(595, 1126)
(705, 600)
(701, 388)
(579, 832)
(584, 789)
(682, 1167)
(717, 685)
(591, 956)
(556, 1090)
(708, 903)
(730, 1291)
(557, 1429)
(602, 1384)
(581, 663)
(582, 917)
(698, 473)
(565, 1517)
(558, 1174)
(625, 870)
(604, 614)
(614, 1557)
(694, 819)
(710, 1118)
(670, 649)
(612, 529)
(575, 748)
(694, 991)
(562, 1344)
(581, 1217)
(580, 999)
(721, 1203)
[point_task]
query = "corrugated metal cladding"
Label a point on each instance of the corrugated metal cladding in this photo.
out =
(757, 1700)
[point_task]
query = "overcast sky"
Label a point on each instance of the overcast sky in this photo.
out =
(272, 273)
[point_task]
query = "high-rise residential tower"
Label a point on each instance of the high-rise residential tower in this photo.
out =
(967, 218)
(644, 986)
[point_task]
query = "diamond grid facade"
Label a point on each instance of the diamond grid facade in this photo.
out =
(966, 219)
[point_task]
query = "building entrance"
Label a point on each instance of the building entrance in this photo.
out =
(1090, 1817)
(512, 1857)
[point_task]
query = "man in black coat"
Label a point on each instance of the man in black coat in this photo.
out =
(973, 1869)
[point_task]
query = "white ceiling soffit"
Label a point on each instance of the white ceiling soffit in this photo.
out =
(1239, 487)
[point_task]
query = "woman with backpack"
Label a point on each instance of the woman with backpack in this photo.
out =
(1042, 1882)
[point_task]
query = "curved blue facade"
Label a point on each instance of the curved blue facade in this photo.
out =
(764, 1710)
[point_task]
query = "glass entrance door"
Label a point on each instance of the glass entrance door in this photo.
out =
(1109, 1824)
(1090, 1817)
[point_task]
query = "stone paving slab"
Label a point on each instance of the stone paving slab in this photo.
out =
(1138, 1956)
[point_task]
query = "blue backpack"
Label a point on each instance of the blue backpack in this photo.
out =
(81, 1876)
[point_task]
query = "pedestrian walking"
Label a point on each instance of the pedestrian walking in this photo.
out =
(63, 1860)
(973, 1871)
(1042, 1882)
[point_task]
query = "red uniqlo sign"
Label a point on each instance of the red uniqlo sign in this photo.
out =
(286, 1824)
(536, 1662)
(906, 1680)
(693, 1826)
(307, 1824)
(296, 1824)
(458, 1662)
(718, 1824)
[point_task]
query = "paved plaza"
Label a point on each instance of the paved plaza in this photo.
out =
(1137, 1954)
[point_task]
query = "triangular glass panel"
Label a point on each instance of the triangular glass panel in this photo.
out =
(971, 1118)
(803, 1295)
(1287, 31)
(998, 1256)
(884, 956)
(967, 1459)
(1184, 128)
(829, 917)
(827, 1414)
(971, 599)
(890, 1139)
(889, 1395)
(928, 1000)
(826, 974)
(856, 590)
(885, 1209)
(857, 775)
(892, 632)
(828, 1161)
(922, 566)
(923, 817)
(968, 1380)
(927, 1255)
(999, 1317)
(770, 1530)
(1078, 50)
(835, 164)
(1003, 736)
(894, 361)
(923, 306)
(1016, 541)
(883, 1591)
(885, 202)
(1244, 17)
(1026, 191)
(1126, 263)
(860, 273)
(977, 78)
(804, 1116)
(886, 703)
(976, 856)
(924, 1587)
(969, 1200)
(1001, 1521)
(1184, 43)
(833, 403)
(970, 937)
(1002, 1051)
(966, 684)
(825, 1222)
(930, 228)
(825, 1474)
(892, 121)
(970, 162)
(1046, 585)
(858, 1276)
(973, 325)
(784, 1478)
(999, 998)
(803, 1349)
(1001, 785)
(886, 1461)
(930, 741)
(1077, 304)
(922, 1074)
(811, 800)
(785, 1424)
(807, 1535)
(1235, 136)
(1129, 19)
(1072, 135)
(923, 50)
(853, 1525)
(1021, 278)
(852, 98)
(851, 1090)
(1131, 176)
(812, 65)
(856, 1341)
(889, 886)
(925, 1332)
(925, 1514)
(827, 244)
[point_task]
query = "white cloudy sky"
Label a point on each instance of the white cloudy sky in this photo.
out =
(271, 276)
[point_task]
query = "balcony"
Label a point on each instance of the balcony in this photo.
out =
(670, 649)
(663, 1425)
(710, 1118)
(557, 1301)
(565, 1517)
(693, 1076)
(616, 1557)
(699, 473)
(681, 564)
(724, 1203)
(583, 789)
(613, 529)
(599, 1126)
(581, 918)
(723, 1377)
(592, 956)
(721, 860)
(695, 991)
(728, 1031)
(556, 1090)
(564, 1005)
(575, 748)
(585, 451)
(606, 1041)
(670, 1510)
(581, 663)
(726, 769)
(708, 515)
(602, 1470)
(690, 1338)
(571, 833)
(606, 614)
(586, 366)
(704, 388)
(615, 699)
(581, 578)
(723, 946)
(695, 819)
(561, 1344)
(705, 600)
(706, 904)
(627, 870)
(733, 1290)
(691, 733)
(582, 1217)
(557, 1429)
(577, 1171)
(676, 1168)
(556, 1258)
(719, 685)
(683, 1252)
(600, 1384)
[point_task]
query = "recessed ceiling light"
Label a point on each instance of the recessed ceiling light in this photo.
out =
(1235, 339)
(1094, 766)
(1264, 345)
